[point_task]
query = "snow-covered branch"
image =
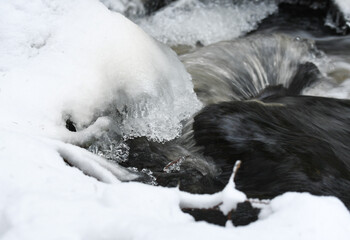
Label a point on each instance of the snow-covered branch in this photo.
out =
(227, 199)
(91, 164)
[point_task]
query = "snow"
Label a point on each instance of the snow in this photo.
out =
(227, 199)
(42, 198)
(344, 6)
(81, 69)
(70, 58)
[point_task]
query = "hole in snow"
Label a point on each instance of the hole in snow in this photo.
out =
(70, 125)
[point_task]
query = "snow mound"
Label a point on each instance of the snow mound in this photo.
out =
(58, 62)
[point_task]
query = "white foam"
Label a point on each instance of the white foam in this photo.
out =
(189, 21)
(338, 86)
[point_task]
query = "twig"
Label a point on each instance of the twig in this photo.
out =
(179, 160)
(235, 168)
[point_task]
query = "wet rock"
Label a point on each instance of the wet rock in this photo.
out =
(315, 16)
(189, 180)
(243, 215)
(291, 143)
(154, 5)
(213, 216)
(145, 154)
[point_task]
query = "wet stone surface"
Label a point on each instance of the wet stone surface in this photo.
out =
(144, 154)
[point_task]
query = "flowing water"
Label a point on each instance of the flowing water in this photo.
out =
(232, 50)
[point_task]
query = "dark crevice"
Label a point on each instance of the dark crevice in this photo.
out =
(70, 125)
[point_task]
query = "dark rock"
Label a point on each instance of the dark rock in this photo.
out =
(145, 154)
(154, 5)
(244, 214)
(285, 144)
(189, 180)
(318, 17)
(209, 215)
(142, 155)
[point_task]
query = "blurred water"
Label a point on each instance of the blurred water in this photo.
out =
(240, 69)
(228, 64)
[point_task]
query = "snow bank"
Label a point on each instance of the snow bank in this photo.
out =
(77, 59)
(42, 198)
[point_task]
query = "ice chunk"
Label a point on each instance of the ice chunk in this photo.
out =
(189, 21)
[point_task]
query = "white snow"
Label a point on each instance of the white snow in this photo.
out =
(227, 199)
(78, 59)
(344, 6)
(75, 58)
(42, 198)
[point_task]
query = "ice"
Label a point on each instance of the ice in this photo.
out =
(110, 148)
(189, 21)
(174, 166)
(152, 179)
